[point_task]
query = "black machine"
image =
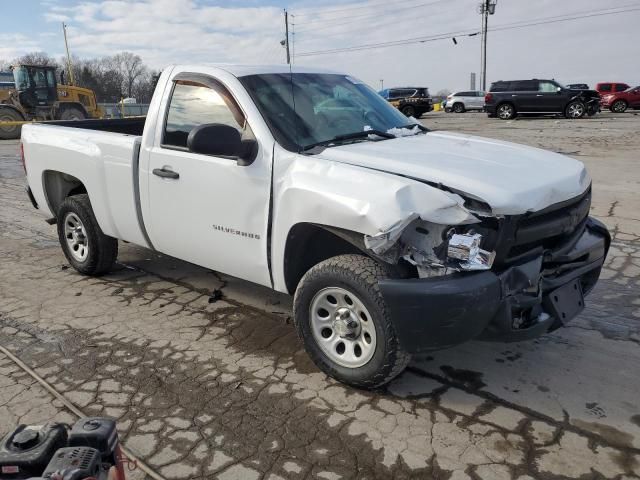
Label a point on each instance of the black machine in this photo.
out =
(88, 450)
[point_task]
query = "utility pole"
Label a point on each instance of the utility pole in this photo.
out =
(381, 84)
(286, 32)
(66, 46)
(486, 8)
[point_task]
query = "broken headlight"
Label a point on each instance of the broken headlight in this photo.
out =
(465, 250)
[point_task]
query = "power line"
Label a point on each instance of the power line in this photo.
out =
(383, 11)
(359, 18)
(373, 24)
(345, 9)
(448, 35)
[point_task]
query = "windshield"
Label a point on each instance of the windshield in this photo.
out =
(326, 106)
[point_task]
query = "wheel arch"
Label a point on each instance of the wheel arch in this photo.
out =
(308, 244)
(59, 185)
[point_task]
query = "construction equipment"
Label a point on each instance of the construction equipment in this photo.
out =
(38, 96)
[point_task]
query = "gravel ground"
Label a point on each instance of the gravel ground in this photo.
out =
(224, 389)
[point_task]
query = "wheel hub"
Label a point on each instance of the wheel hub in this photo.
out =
(345, 324)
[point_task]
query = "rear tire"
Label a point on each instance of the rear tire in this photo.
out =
(72, 113)
(458, 107)
(619, 106)
(505, 111)
(87, 249)
(350, 338)
(10, 132)
(408, 111)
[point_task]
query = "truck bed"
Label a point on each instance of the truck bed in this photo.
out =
(127, 126)
(102, 155)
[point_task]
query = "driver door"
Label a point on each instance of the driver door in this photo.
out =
(205, 209)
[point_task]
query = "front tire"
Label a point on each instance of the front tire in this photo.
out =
(458, 108)
(87, 249)
(13, 131)
(344, 323)
(575, 109)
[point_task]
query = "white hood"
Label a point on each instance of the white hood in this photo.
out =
(511, 178)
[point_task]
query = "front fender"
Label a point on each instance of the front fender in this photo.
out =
(315, 190)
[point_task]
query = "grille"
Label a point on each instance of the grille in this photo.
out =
(543, 230)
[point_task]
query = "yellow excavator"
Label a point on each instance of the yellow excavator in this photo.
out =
(38, 96)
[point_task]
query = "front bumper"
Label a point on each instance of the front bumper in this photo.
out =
(518, 303)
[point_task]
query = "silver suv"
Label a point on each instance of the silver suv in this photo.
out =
(462, 101)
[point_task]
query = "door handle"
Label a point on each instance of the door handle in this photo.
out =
(164, 173)
(538, 95)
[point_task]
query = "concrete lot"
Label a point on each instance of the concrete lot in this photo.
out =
(224, 390)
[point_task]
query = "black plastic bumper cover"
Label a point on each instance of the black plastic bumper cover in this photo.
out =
(437, 312)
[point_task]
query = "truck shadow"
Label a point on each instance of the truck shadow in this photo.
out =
(557, 376)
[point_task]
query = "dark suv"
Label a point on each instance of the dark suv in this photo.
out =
(412, 101)
(506, 99)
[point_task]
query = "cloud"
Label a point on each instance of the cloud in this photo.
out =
(250, 31)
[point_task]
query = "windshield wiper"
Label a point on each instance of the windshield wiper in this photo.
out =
(411, 126)
(348, 136)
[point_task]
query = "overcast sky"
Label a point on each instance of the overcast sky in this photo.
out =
(588, 50)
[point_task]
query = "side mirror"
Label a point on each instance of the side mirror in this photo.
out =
(559, 90)
(222, 140)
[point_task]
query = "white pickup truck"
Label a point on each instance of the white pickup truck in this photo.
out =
(394, 239)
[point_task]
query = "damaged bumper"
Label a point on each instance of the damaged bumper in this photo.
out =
(517, 303)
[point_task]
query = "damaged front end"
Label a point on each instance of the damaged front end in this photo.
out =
(431, 248)
(506, 279)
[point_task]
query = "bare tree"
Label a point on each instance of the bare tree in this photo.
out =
(4, 65)
(131, 68)
(443, 93)
(36, 58)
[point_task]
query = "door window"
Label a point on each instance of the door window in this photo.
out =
(547, 87)
(605, 87)
(526, 86)
(621, 87)
(192, 105)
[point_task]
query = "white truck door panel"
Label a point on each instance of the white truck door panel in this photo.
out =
(214, 213)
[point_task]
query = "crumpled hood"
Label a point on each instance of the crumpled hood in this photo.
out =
(511, 178)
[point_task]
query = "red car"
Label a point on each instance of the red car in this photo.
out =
(620, 101)
(611, 87)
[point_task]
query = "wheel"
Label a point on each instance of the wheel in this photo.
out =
(506, 111)
(408, 110)
(87, 249)
(619, 106)
(10, 132)
(575, 109)
(72, 113)
(458, 107)
(344, 324)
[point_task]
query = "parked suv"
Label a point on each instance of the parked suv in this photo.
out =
(611, 87)
(468, 100)
(618, 102)
(506, 99)
(412, 101)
